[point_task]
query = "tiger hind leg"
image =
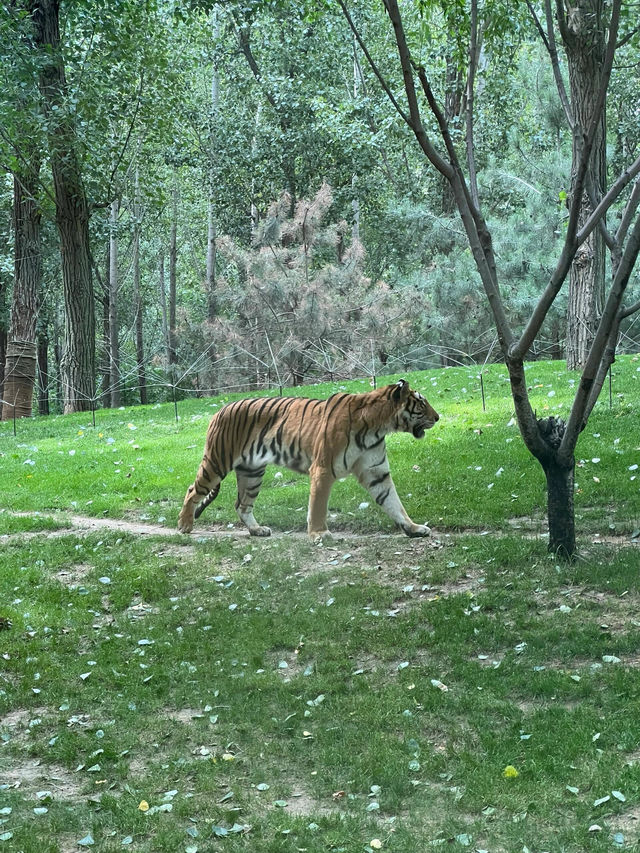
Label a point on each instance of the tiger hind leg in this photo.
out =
(199, 495)
(320, 489)
(249, 482)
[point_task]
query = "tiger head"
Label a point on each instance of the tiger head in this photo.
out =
(416, 415)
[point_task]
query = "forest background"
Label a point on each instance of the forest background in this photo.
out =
(256, 212)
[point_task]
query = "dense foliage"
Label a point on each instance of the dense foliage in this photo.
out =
(201, 115)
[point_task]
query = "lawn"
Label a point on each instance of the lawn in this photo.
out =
(221, 693)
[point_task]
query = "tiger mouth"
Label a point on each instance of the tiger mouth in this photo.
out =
(418, 431)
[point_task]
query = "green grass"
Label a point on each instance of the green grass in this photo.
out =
(275, 695)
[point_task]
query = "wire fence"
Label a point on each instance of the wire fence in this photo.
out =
(174, 383)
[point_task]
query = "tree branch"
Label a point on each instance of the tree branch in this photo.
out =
(385, 86)
(473, 65)
(549, 41)
(565, 32)
(607, 200)
(629, 212)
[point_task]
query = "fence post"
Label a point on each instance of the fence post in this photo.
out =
(610, 390)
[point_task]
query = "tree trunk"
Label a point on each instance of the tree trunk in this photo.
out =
(3, 357)
(137, 296)
(57, 356)
(114, 344)
(104, 368)
(20, 366)
(560, 508)
(584, 37)
(162, 292)
(173, 259)
(211, 264)
(4, 286)
(72, 216)
(43, 373)
(255, 214)
(212, 229)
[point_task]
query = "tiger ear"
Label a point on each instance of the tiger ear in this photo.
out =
(400, 393)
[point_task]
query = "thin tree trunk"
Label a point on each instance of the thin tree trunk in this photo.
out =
(173, 260)
(212, 233)
(162, 292)
(72, 216)
(43, 373)
(4, 287)
(57, 357)
(105, 358)
(212, 229)
(355, 199)
(3, 357)
(114, 344)
(255, 214)
(137, 295)
(20, 366)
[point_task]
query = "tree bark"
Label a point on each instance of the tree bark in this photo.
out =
(162, 292)
(20, 366)
(114, 343)
(212, 228)
(137, 295)
(173, 260)
(104, 367)
(72, 216)
(559, 470)
(560, 510)
(43, 373)
(4, 288)
(583, 33)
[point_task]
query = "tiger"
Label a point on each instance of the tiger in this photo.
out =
(327, 439)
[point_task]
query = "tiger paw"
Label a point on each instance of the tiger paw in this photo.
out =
(185, 526)
(417, 530)
(319, 536)
(260, 531)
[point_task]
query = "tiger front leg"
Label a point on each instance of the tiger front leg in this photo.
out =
(376, 479)
(186, 517)
(321, 483)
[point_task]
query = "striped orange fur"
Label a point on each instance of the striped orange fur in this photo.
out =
(327, 439)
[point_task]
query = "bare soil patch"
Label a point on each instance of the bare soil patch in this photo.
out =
(33, 776)
(75, 575)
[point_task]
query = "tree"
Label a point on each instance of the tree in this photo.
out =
(72, 213)
(20, 367)
(297, 304)
(20, 353)
(552, 441)
(583, 32)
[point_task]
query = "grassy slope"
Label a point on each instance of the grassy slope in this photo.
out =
(137, 667)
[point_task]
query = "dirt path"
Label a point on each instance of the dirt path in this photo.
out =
(81, 525)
